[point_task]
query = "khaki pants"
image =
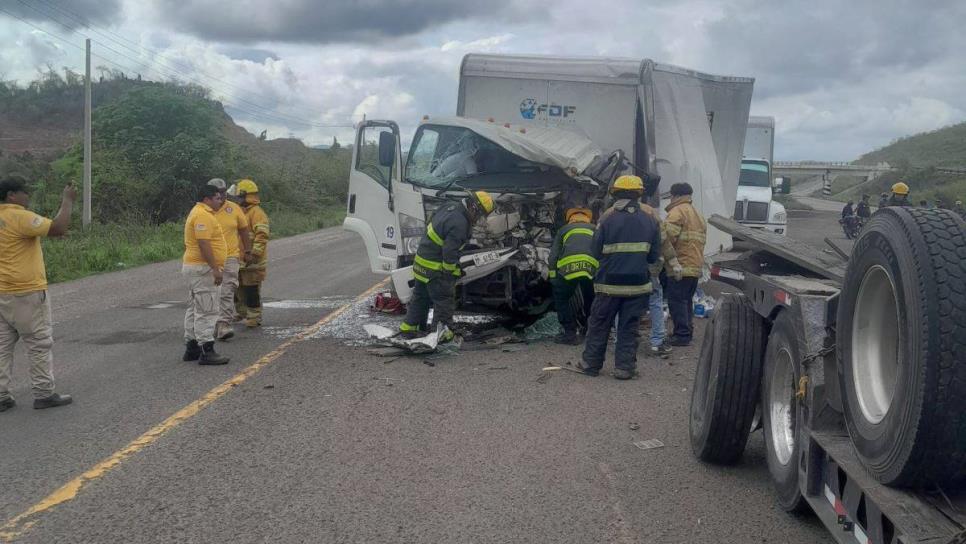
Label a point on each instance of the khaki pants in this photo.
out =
(226, 292)
(202, 313)
(27, 317)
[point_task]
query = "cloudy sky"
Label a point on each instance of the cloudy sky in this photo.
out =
(841, 78)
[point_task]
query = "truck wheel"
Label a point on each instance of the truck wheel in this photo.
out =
(780, 411)
(725, 392)
(901, 341)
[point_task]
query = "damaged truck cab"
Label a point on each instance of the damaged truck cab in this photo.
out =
(533, 174)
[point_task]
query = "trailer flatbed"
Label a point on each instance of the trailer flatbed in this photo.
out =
(778, 275)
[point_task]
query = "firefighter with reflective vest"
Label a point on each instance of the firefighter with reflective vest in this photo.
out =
(253, 271)
(626, 243)
(572, 269)
(688, 231)
(436, 267)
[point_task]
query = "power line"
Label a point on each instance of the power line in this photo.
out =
(266, 114)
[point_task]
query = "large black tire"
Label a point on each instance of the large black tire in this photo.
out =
(725, 391)
(901, 332)
(781, 412)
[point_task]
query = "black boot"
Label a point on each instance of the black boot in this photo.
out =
(209, 356)
(567, 338)
(52, 401)
(192, 351)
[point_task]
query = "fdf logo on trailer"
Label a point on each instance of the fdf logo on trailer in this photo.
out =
(529, 109)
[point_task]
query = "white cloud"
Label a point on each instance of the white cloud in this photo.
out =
(841, 79)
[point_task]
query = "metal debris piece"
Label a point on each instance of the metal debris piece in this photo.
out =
(549, 368)
(634, 426)
(427, 362)
(651, 444)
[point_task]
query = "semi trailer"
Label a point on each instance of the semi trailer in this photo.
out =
(853, 367)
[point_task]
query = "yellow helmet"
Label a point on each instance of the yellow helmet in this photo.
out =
(900, 188)
(485, 201)
(628, 183)
(247, 186)
(578, 215)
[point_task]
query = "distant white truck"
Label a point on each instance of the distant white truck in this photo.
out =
(542, 134)
(755, 205)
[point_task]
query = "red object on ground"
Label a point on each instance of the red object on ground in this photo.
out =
(388, 303)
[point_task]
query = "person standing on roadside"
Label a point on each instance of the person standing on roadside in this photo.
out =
(883, 200)
(205, 252)
(669, 259)
(900, 195)
(253, 271)
(688, 232)
(24, 304)
(626, 242)
(863, 210)
(234, 226)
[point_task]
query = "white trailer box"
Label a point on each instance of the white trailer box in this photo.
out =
(679, 123)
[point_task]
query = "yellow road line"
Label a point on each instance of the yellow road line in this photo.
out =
(18, 525)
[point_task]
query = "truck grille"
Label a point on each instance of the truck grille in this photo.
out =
(757, 211)
(751, 211)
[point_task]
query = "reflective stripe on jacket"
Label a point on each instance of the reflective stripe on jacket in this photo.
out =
(627, 241)
(570, 256)
(688, 232)
(439, 250)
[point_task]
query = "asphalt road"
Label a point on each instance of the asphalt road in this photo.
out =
(327, 443)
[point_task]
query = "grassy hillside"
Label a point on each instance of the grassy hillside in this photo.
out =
(943, 148)
(154, 144)
(918, 159)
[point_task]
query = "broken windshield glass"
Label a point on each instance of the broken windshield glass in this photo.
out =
(444, 155)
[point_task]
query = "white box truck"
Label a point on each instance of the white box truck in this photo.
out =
(542, 134)
(755, 206)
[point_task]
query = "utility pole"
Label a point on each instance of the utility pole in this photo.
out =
(86, 218)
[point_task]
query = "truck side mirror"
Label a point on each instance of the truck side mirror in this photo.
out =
(387, 149)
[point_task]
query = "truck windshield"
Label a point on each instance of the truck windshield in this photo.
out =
(754, 174)
(443, 155)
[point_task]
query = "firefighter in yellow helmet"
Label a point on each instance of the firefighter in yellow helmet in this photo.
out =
(253, 271)
(900, 195)
(627, 241)
(437, 267)
(572, 269)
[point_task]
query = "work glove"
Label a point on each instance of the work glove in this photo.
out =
(677, 271)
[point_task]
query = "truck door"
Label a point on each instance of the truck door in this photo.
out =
(371, 211)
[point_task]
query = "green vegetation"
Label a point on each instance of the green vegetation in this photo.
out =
(154, 145)
(924, 183)
(943, 148)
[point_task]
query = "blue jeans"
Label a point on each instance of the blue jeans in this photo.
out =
(656, 310)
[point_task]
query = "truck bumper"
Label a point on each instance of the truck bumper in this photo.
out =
(777, 228)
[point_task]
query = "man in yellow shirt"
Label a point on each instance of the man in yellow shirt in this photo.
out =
(24, 305)
(205, 251)
(234, 225)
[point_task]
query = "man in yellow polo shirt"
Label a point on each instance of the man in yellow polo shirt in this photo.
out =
(234, 225)
(205, 252)
(24, 305)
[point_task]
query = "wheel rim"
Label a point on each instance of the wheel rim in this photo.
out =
(875, 344)
(781, 395)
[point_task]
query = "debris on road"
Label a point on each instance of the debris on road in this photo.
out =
(651, 444)
(546, 327)
(551, 368)
(634, 426)
(422, 345)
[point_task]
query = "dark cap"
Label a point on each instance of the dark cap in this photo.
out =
(12, 184)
